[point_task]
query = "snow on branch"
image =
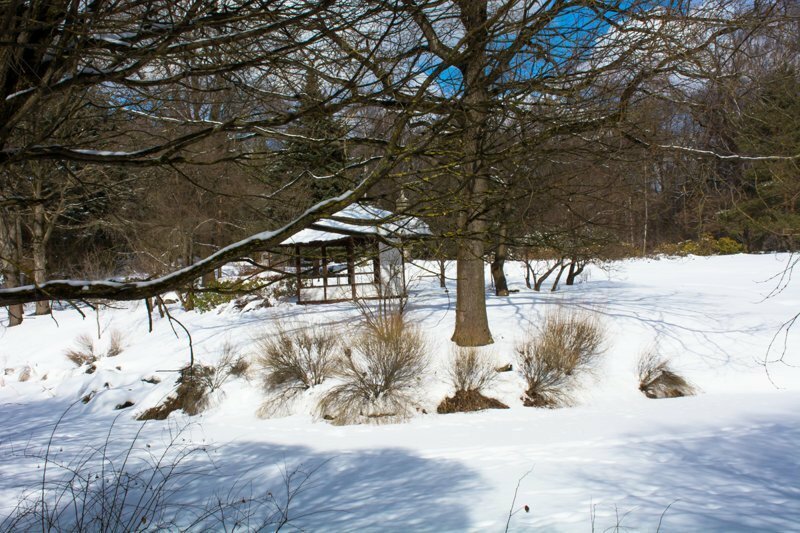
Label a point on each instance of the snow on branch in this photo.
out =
(734, 157)
(134, 290)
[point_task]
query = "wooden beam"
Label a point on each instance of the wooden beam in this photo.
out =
(297, 265)
(324, 272)
(376, 265)
(351, 266)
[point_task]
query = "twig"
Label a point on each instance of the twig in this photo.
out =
(188, 335)
(661, 518)
(511, 511)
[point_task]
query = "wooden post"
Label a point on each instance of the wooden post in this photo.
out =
(297, 265)
(403, 273)
(324, 273)
(351, 266)
(376, 264)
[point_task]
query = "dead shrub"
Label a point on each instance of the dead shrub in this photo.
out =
(83, 353)
(115, 344)
(196, 384)
(658, 380)
(384, 315)
(191, 396)
(380, 374)
(570, 340)
(546, 381)
(230, 364)
(25, 374)
(470, 372)
(566, 346)
(298, 359)
(471, 369)
(292, 361)
(239, 368)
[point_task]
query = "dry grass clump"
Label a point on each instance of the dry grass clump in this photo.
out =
(115, 346)
(471, 372)
(380, 374)
(25, 374)
(196, 384)
(230, 364)
(384, 314)
(471, 369)
(567, 345)
(298, 359)
(85, 352)
(658, 380)
(191, 396)
(570, 340)
(468, 401)
(239, 367)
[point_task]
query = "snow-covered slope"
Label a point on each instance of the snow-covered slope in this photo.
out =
(724, 460)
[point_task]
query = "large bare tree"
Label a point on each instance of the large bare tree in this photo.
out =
(182, 85)
(451, 82)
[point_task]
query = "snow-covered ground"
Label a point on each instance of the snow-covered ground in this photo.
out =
(724, 460)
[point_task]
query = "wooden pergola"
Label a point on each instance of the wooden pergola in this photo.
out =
(327, 280)
(335, 261)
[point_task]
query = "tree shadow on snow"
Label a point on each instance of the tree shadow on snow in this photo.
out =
(364, 490)
(386, 489)
(737, 479)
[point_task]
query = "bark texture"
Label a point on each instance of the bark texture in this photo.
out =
(472, 323)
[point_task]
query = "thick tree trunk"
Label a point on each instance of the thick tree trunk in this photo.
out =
(472, 323)
(38, 248)
(499, 261)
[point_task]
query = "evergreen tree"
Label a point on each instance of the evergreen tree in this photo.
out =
(765, 216)
(315, 150)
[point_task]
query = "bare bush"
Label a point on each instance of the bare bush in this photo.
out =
(380, 374)
(385, 315)
(471, 371)
(546, 381)
(298, 359)
(239, 368)
(196, 385)
(570, 340)
(192, 396)
(566, 345)
(292, 361)
(230, 364)
(658, 380)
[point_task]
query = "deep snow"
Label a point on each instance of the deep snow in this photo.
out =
(724, 460)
